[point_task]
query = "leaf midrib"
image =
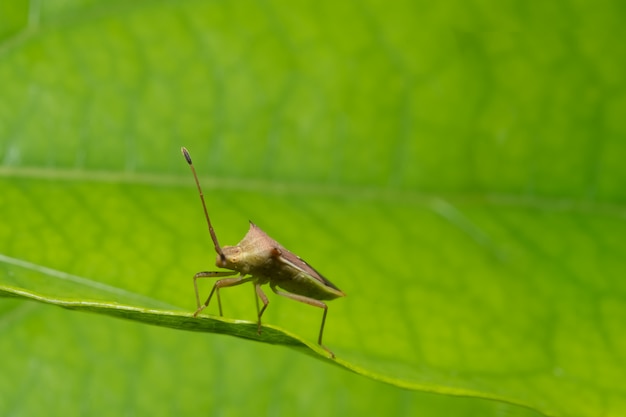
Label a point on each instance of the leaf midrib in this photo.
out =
(345, 191)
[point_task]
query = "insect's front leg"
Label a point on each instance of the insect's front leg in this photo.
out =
(211, 274)
(263, 297)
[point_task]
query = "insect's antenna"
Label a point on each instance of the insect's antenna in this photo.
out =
(218, 249)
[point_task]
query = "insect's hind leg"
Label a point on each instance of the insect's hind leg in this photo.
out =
(312, 302)
(228, 282)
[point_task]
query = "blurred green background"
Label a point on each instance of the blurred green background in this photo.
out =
(456, 168)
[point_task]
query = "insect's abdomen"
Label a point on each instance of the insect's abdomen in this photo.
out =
(303, 284)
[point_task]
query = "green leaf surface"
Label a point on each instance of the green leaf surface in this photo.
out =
(456, 171)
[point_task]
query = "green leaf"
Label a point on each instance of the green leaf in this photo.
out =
(457, 171)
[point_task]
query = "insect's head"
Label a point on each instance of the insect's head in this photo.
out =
(229, 257)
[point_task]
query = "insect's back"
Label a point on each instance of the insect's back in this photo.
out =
(269, 261)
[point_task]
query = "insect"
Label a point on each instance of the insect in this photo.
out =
(261, 260)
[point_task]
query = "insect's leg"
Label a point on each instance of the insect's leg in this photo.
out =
(256, 300)
(263, 298)
(207, 274)
(312, 302)
(226, 282)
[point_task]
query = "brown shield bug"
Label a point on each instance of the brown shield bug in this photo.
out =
(261, 260)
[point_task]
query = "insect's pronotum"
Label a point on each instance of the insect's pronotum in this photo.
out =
(261, 260)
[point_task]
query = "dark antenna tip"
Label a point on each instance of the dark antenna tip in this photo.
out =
(186, 154)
